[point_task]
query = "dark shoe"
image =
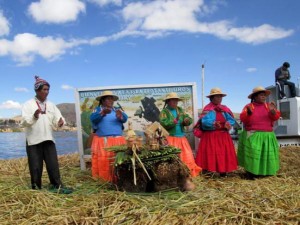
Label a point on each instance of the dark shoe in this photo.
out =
(35, 187)
(60, 189)
(249, 176)
(223, 174)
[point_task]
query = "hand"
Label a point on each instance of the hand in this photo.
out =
(227, 125)
(37, 113)
(119, 114)
(249, 111)
(217, 124)
(272, 106)
(218, 109)
(185, 121)
(105, 111)
(60, 122)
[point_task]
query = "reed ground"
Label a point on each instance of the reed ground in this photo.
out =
(230, 200)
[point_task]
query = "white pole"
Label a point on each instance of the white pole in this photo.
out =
(297, 92)
(202, 77)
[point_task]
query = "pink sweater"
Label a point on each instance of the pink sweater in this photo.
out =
(261, 118)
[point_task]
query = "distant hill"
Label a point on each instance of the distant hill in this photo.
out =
(68, 112)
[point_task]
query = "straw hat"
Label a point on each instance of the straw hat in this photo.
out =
(107, 93)
(216, 91)
(172, 95)
(259, 89)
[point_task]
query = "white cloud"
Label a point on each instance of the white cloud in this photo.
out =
(254, 35)
(150, 19)
(251, 70)
(9, 104)
(182, 15)
(20, 89)
(67, 87)
(163, 15)
(4, 25)
(25, 47)
(56, 11)
(106, 2)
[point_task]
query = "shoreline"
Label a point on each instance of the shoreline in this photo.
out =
(20, 130)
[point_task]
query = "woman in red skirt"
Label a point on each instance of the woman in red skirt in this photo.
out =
(216, 152)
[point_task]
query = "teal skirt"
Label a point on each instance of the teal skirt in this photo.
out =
(258, 152)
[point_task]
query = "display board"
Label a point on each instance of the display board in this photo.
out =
(142, 104)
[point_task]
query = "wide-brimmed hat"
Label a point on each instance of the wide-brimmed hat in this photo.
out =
(259, 89)
(172, 95)
(107, 93)
(216, 91)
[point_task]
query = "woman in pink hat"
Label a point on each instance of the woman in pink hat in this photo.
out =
(216, 152)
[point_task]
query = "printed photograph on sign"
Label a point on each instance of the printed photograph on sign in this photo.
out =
(142, 104)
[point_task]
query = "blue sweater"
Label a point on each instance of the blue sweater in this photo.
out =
(108, 125)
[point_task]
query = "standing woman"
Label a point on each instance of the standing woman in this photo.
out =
(173, 119)
(258, 150)
(108, 122)
(216, 152)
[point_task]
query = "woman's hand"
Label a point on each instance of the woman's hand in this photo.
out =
(272, 107)
(185, 121)
(217, 125)
(249, 111)
(227, 125)
(119, 114)
(105, 111)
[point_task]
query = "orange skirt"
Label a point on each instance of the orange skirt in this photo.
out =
(102, 160)
(186, 154)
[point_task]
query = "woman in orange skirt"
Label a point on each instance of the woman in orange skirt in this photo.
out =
(173, 119)
(108, 121)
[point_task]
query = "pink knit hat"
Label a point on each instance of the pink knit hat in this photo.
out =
(39, 82)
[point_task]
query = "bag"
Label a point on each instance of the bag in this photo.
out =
(197, 129)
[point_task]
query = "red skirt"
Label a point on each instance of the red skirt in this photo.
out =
(102, 160)
(216, 152)
(186, 154)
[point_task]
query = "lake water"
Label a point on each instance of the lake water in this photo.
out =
(12, 145)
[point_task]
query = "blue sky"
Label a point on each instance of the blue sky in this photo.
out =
(96, 43)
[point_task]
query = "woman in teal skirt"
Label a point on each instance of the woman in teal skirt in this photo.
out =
(258, 149)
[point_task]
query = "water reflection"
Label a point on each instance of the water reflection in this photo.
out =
(12, 145)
